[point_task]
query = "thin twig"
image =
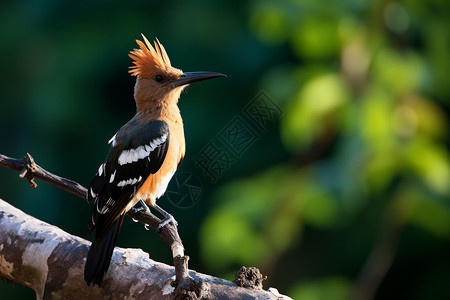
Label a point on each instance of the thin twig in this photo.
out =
(169, 233)
(29, 169)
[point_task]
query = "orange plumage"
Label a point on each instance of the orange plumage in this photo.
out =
(147, 60)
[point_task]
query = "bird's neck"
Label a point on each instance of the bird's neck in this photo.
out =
(158, 109)
(151, 101)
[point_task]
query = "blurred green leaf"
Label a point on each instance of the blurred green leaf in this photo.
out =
(264, 212)
(401, 72)
(376, 117)
(230, 237)
(420, 208)
(433, 216)
(310, 111)
(321, 208)
(430, 119)
(431, 161)
(316, 37)
(270, 23)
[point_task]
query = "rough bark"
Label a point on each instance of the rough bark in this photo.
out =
(51, 261)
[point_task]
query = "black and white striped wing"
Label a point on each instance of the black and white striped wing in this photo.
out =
(137, 151)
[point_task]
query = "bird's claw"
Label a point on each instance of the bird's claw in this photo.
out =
(168, 219)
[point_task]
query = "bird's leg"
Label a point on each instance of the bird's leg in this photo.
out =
(144, 206)
(167, 218)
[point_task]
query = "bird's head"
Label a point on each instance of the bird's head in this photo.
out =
(157, 81)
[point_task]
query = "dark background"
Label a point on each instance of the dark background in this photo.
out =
(341, 189)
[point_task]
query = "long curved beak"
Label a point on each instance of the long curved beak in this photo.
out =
(190, 77)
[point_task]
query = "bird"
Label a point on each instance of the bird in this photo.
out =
(143, 155)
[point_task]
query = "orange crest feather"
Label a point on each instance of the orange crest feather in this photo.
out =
(148, 61)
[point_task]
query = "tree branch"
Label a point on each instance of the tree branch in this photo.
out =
(29, 169)
(51, 262)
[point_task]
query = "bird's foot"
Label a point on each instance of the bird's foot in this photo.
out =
(144, 209)
(168, 218)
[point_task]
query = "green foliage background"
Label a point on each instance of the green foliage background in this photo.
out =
(345, 195)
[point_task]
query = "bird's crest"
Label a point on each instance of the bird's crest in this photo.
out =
(147, 60)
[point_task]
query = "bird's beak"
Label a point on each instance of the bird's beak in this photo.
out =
(190, 77)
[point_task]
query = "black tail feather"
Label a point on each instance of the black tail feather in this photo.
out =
(100, 253)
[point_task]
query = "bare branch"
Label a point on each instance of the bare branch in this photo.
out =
(29, 169)
(51, 261)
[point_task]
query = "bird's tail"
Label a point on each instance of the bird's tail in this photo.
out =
(100, 253)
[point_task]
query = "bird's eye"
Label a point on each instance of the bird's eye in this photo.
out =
(159, 78)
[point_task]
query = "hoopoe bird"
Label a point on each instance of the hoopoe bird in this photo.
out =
(144, 154)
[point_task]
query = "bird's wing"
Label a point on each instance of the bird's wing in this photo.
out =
(136, 152)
